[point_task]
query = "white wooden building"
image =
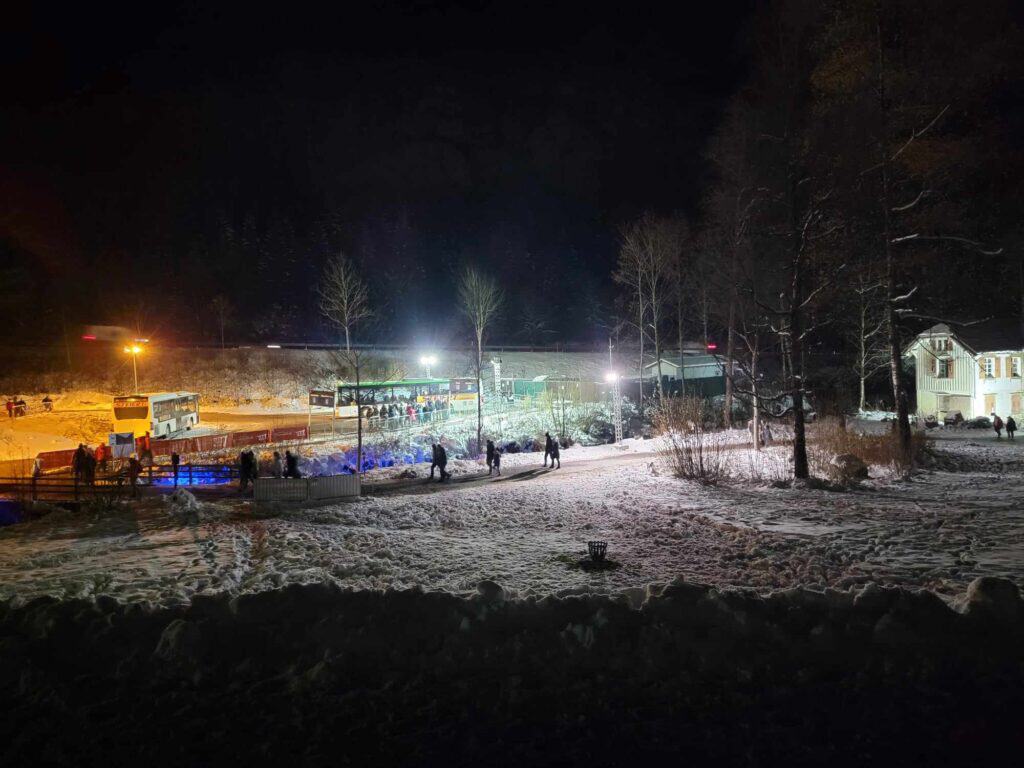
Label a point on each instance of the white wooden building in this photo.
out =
(975, 369)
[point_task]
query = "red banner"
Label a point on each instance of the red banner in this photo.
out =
(211, 443)
(56, 459)
(281, 434)
(254, 437)
(167, 447)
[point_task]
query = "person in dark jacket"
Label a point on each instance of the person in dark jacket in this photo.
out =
(497, 460)
(1011, 426)
(243, 471)
(291, 465)
(433, 459)
(490, 456)
(134, 469)
(997, 425)
(442, 463)
(175, 463)
(555, 454)
(78, 462)
(547, 449)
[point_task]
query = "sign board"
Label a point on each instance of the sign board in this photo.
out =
(321, 398)
(122, 444)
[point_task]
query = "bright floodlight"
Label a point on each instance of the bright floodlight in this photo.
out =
(428, 360)
(134, 349)
(611, 376)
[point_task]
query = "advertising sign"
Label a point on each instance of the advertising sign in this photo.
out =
(321, 398)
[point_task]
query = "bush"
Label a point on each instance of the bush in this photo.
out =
(694, 449)
(828, 438)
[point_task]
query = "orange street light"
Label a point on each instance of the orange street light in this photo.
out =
(134, 351)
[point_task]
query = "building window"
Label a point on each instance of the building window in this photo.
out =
(1015, 367)
(943, 368)
(940, 345)
(988, 369)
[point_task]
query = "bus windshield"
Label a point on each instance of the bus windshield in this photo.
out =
(131, 408)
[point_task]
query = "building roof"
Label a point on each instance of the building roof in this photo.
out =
(998, 335)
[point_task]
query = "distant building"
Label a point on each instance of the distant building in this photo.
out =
(703, 374)
(973, 369)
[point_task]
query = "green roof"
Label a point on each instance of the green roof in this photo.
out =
(389, 384)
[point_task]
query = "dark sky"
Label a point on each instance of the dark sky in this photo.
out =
(516, 135)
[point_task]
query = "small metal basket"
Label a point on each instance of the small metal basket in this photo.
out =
(597, 550)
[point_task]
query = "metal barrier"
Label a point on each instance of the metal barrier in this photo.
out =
(306, 488)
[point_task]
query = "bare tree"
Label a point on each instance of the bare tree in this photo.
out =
(869, 332)
(648, 259)
(344, 299)
(224, 311)
(480, 299)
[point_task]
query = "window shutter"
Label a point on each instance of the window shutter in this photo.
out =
(933, 365)
(1015, 402)
(949, 368)
(999, 367)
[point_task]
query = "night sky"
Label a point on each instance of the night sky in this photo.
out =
(140, 140)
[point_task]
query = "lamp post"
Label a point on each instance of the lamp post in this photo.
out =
(613, 378)
(134, 351)
(428, 360)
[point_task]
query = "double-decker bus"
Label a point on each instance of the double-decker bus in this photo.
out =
(160, 414)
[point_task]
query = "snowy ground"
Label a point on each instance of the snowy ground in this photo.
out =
(525, 531)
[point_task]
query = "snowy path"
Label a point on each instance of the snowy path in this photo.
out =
(525, 530)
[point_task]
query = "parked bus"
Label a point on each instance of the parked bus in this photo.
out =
(160, 414)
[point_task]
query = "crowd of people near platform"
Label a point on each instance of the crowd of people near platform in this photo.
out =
(395, 408)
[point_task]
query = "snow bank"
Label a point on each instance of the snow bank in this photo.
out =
(319, 675)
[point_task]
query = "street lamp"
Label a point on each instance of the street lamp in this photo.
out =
(613, 378)
(134, 351)
(428, 360)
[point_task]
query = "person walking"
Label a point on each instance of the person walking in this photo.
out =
(89, 469)
(490, 456)
(766, 433)
(101, 456)
(497, 461)
(78, 462)
(291, 465)
(547, 448)
(556, 454)
(276, 465)
(10, 408)
(175, 462)
(243, 471)
(442, 463)
(134, 469)
(433, 459)
(47, 404)
(1011, 426)
(997, 425)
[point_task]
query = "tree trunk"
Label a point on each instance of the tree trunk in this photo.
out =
(730, 348)
(754, 395)
(640, 326)
(899, 389)
(657, 356)
(359, 420)
(800, 467)
(479, 389)
(348, 348)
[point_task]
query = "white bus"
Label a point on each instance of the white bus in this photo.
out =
(161, 414)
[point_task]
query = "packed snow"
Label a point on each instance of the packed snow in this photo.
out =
(528, 529)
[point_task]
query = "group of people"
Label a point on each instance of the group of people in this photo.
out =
(16, 407)
(398, 408)
(552, 450)
(85, 461)
(249, 470)
(998, 425)
(439, 459)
